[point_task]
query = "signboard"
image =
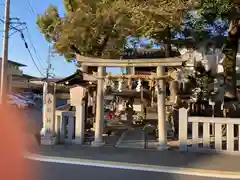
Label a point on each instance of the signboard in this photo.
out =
(50, 113)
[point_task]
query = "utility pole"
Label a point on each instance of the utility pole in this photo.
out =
(46, 83)
(49, 65)
(46, 88)
(4, 67)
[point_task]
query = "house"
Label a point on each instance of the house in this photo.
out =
(17, 80)
(211, 57)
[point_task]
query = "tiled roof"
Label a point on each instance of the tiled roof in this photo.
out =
(142, 53)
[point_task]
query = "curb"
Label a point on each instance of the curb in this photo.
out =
(138, 167)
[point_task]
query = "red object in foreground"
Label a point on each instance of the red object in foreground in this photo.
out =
(13, 140)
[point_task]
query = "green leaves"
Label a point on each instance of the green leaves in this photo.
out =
(49, 22)
(217, 9)
(99, 28)
(210, 20)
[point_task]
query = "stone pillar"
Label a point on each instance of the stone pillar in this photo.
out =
(44, 110)
(161, 110)
(49, 107)
(62, 126)
(99, 121)
(80, 123)
(70, 129)
(77, 99)
(58, 121)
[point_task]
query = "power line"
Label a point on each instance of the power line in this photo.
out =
(30, 7)
(16, 28)
(49, 65)
(34, 49)
(29, 36)
(26, 45)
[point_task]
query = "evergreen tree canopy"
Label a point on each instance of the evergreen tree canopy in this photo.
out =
(99, 28)
(210, 20)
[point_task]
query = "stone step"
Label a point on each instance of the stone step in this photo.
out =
(132, 139)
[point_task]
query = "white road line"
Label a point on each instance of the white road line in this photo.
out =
(137, 167)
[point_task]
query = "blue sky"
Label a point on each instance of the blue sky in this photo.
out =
(17, 50)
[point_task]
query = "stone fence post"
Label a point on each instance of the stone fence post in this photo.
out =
(183, 129)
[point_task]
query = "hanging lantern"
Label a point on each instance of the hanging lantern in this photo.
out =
(138, 88)
(120, 84)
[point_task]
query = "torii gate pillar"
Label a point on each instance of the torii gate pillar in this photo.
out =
(99, 121)
(161, 95)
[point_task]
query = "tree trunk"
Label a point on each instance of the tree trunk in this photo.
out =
(168, 42)
(173, 85)
(229, 63)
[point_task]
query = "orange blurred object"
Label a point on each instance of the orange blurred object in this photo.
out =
(13, 141)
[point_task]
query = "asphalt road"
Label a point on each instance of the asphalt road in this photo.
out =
(54, 171)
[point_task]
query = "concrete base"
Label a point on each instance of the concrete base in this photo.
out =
(97, 143)
(162, 147)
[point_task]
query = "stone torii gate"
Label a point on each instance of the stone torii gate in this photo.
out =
(160, 65)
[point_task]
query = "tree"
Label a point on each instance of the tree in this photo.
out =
(230, 51)
(222, 15)
(99, 28)
(202, 80)
(213, 20)
(210, 20)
